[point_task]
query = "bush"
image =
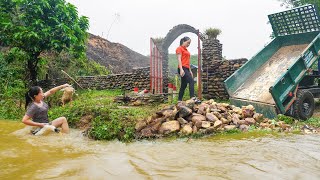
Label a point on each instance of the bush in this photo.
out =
(212, 32)
(12, 84)
(53, 64)
(286, 119)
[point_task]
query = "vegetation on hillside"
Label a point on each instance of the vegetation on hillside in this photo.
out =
(38, 38)
(13, 81)
(296, 3)
(73, 66)
(35, 27)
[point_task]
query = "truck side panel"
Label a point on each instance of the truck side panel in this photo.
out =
(283, 90)
(283, 87)
(267, 110)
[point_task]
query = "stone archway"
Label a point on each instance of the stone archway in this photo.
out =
(175, 32)
(172, 35)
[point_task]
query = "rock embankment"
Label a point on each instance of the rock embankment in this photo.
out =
(187, 118)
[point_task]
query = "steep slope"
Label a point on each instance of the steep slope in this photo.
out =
(116, 57)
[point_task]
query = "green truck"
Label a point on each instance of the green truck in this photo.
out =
(282, 78)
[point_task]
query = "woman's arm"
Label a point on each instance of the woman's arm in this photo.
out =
(180, 65)
(55, 89)
(27, 121)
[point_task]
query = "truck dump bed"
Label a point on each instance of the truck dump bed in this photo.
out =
(269, 78)
(256, 88)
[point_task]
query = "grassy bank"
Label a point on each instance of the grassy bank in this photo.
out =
(100, 118)
(108, 120)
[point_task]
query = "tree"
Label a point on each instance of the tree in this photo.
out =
(36, 26)
(296, 3)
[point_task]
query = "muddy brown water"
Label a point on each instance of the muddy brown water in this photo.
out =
(242, 156)
(257, 86)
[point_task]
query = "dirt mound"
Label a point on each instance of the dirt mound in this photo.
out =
(116, 57)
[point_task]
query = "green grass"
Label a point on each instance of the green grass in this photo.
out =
(286, 119)
(110, 121)
(314, 121)
(212, 32)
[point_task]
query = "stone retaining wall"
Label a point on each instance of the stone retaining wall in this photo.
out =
(214, 76)
(139, 78)
(216, 69)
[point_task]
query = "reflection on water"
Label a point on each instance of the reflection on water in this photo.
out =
(244, 156)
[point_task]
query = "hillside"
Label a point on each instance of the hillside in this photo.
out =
(116, 57)
(173, 63)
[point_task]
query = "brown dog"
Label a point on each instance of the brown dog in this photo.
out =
(67, 95)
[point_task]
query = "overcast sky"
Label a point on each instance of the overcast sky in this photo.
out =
(243, 22)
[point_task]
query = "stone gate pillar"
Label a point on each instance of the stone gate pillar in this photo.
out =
(211, 51)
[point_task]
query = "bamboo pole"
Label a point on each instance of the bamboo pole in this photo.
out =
(71, 78)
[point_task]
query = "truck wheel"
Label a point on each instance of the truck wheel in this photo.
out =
(290, 111)
(304, 105)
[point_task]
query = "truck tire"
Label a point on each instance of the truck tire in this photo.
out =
(304, 105)
(290, 111)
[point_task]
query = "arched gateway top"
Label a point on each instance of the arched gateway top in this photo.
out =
(175, 32)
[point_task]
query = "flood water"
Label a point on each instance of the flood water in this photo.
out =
(244, 156)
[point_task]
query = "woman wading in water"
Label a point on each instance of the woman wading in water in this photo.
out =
(37, 110)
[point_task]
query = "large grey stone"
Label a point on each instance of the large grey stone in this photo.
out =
(217, 124)
(187, 129)
(211, 117)
(170, 126)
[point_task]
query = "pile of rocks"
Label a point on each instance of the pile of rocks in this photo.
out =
(208, 117)
(214, 75)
